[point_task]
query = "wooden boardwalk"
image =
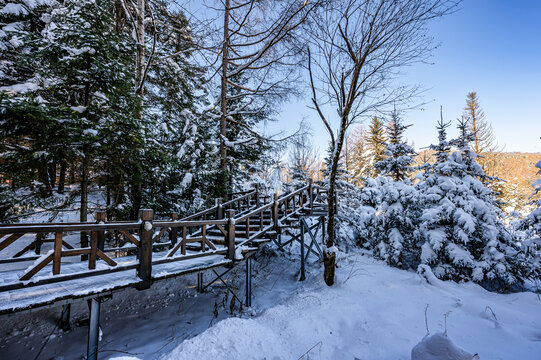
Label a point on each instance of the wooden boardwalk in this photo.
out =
(93, 260)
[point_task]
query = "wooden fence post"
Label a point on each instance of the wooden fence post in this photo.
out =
(144, 268)
(93, 248)
(57, 255)
(173, 234)
(230, 239)
(101, 218)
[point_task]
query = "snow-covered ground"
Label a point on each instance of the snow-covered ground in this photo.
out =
(376, 312)
(373, 312)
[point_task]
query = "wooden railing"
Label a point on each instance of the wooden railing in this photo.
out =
(187, 237)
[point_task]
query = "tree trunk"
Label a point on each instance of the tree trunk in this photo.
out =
(223, 92)
(72, 172)
(140, 48)
(83, 213)
(51, 172)
(43, 176)
(329, 257)
(62, 178)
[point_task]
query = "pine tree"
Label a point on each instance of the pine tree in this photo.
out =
(390, 203)
(531, 224)
(178, 159)
(342, 175)
(80, 109)
(359, 158)
(460, 227)
(389, 220)
(375, 141)
(399, 154)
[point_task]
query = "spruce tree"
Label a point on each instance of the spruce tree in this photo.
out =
(388, 225)
(359, 158)
(375, 142)
(178, 158)
(460, 227)
(531, 224)
(391, 203)
(399, 154)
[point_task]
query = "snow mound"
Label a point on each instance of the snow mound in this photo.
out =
(440, 347)
(425, 272)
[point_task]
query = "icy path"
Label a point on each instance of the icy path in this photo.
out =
(375, 312)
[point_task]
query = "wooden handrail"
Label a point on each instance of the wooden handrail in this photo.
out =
(238, 199)
(144, 234)
(254, 212)
(42, 228)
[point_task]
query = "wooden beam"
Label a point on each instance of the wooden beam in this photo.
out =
(5, 243)
(57, 253)
(28, 275)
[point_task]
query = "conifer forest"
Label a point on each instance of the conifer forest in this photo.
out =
(269, 179)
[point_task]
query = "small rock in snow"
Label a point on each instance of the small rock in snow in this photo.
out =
(440, 347)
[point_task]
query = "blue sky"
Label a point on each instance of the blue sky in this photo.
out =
(491, 47)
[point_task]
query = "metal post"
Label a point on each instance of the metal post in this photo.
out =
(249, 281)
(65, 317)
(200, 281)
(303, 275)
(93, 330)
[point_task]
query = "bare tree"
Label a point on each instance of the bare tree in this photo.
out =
(302, 161)
(357, 49)
(259, 47)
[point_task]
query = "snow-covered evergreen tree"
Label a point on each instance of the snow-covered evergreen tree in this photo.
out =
(375, 145)
(342, 174)
(399, 154)
(461, 230)
(180, 159)
(531, 224)
(359, 157)
(389, 203)
(388, 222)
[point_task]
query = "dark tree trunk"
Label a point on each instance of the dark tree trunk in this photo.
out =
(62, 178)
(329, 257)
(73, 168)
(83, 216)
(51, 172)
(223, 100)
(43, 176)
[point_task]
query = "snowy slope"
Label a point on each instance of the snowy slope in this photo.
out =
(376, 312)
